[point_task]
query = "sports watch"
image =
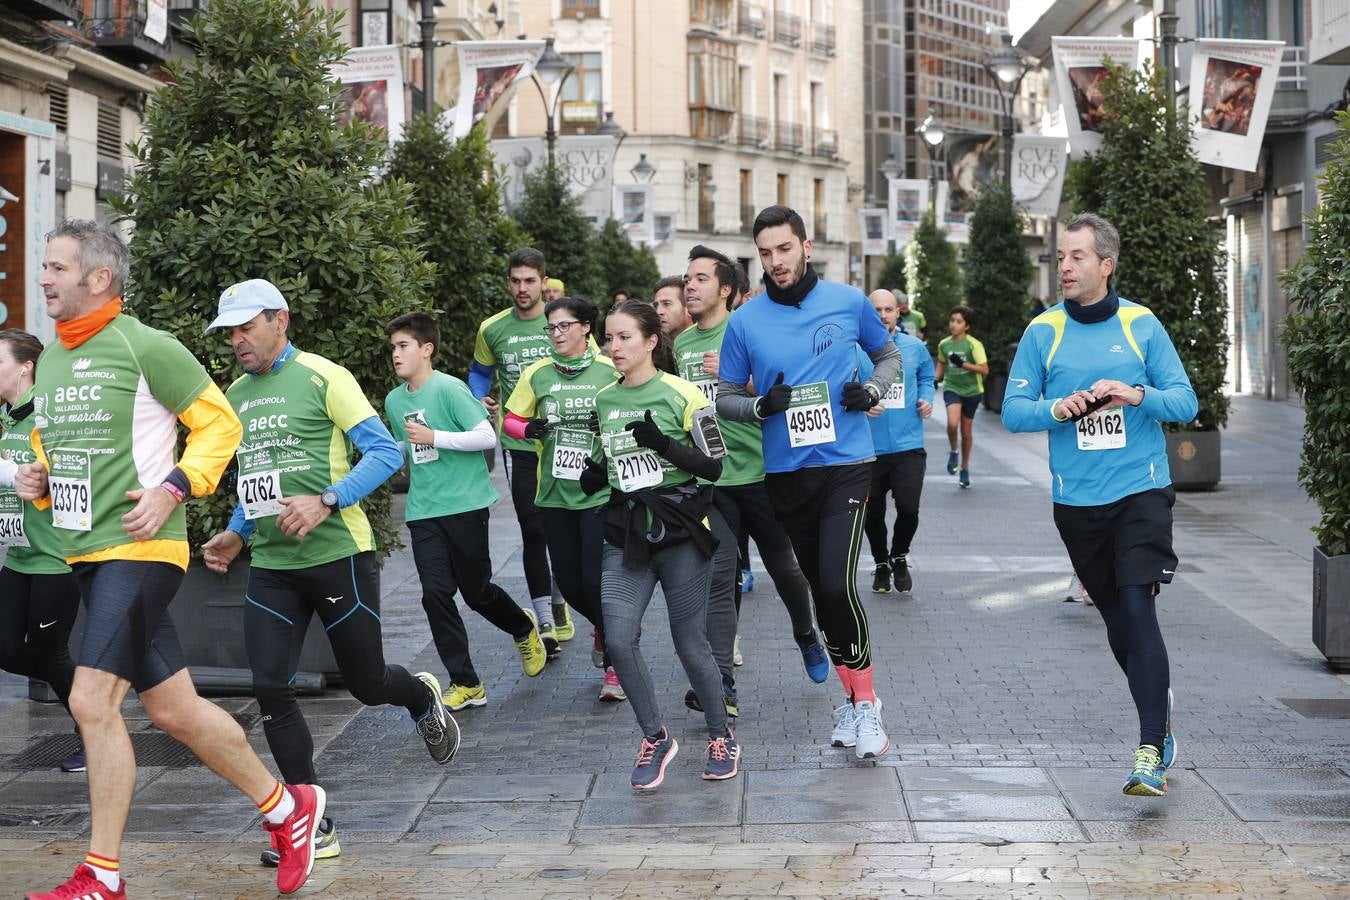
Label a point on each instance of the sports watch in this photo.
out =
(329, 498)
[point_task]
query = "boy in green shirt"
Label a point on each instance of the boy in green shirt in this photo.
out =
(445, 431)
(961, 367)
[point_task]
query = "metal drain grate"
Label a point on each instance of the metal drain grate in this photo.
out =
(1318, 709)
(153, 748)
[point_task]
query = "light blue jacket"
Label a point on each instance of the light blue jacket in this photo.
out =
(898, 430)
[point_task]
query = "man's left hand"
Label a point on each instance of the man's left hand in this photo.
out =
(151, 511)
(1118, 391)
(302, 515)
(711, 362)
(420, 434)
(925, 408)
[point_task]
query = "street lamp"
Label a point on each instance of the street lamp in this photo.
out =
(933, 133)
(552, 70)
(1007, 66)
(644, 171)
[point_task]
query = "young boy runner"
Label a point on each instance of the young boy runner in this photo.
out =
(445, 431)
(961, 367)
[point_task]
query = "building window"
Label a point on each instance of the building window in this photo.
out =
(580, 107)
(712, 87)
(747, 200)
(1232, 19)
(714, 14)
(581, 9)
(818, 207)
(374, 23)
(705, 198)
(58, 106)
(109, 130)
(783, 190)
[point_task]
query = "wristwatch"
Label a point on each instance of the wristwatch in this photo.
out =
(329, 498)
(1140, 389)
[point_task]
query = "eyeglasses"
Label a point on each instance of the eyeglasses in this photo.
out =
(560, 327)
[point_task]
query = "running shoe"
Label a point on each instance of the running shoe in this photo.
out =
(724, 758)
(1169, 754)
(437, 727)
(904, 582)
(965, 478)
(747, 581)
(953, 462)
(872, 740)
(881, 579)
(1149, 778)
(82, 885)
(294, 839)
(531, 649)
(1077, 593)
(326, 845)
(597, 649)
(736, 658)
(845, 732)
(729, 698)
(563, 629)
(814, 659)
(552, 649)
(75, 761)
(461, 696)
(653, 757)
(610, 690)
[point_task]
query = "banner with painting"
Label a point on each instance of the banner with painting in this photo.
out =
(872, 225)
(633, 209)
(372, 88)
(586, 160)
(1079, 72)
(1232, 88)
(972, 162)
(907, 201)
(157, 20)
(487, 70)
(1038, 164)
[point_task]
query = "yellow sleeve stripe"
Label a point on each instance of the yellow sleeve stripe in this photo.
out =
(977, 351)
(482, 348)
(213, 437)
(1055, 318)
(523, 400)
(1128, 316)
(693, 398)
(344, 400)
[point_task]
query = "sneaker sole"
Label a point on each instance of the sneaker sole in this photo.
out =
(878, 755)
(836, 743)
(451, 726)
(316, 817)
(735, 770)
(468, 704)
(332, 851)
(1139, 789)
(613, 698)
(661, 773)
(877, 590)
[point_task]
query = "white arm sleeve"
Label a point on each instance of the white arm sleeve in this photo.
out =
(481, 437)
(8, 469)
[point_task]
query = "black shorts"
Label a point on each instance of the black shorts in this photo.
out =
(968, 404)
(127, 628)
(1123, 543)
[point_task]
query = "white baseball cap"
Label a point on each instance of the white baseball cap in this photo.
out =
(241, 302)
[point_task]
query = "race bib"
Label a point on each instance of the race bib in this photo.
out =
(709, 388)
(11, 521)
(1102, 430)
(421, 453)
(260, 494)
(810, 418)
(636, 467)
(894, 398)
(570, 449)
(71, 490)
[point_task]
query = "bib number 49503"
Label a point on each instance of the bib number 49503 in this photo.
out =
(810, 415)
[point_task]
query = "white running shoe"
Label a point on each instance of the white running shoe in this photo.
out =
(736, 658)
(872, 741)
(845, 732)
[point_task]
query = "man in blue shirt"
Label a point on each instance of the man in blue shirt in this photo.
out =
(897, 437)
(796, 344)
(1100, 374)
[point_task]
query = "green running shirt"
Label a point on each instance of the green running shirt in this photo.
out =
(672, 402)
(961, 382)
(511, 344)
(34, 546)
(744, 462)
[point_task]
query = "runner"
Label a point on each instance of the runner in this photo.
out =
(41, 598)
(508, 343)
(109, 396)
(313, 551)
(897, 437)
(554, 405)
(1099, 373)
(668, 300)
(961, 367)
(654, 532)
(553, 289)
(797, 342)
(908, 320)
(446, 431)
(739, 499)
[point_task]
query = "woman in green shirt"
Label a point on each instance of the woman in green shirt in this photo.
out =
(38, 596)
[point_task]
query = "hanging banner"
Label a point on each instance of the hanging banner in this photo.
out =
(1232, 87)
(872, 225)
(486, 70)
(907, 201)
(633, 209)
(956, 222)
(663, 226)
(586, 159)
(1038, 164)
(972, 162)
(157, 20)
(372, 88)
(1079, 72)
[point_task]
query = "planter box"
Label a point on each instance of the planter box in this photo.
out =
(1331, 608)
(1193, 457)
(994, 386)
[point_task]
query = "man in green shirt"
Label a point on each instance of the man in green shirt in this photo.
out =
(739, 500)
(445, 431)
(910, 320)
(961, 367)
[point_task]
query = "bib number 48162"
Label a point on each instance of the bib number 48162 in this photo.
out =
(1102, 430)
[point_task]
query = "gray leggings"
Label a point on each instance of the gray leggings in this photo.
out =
(625, 594)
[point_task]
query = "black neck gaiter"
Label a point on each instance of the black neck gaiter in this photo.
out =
(795, 294)
(1100, 311)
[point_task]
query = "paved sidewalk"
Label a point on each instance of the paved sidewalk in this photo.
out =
(1012, 731)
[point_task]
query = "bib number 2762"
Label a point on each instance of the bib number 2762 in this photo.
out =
(260, 494)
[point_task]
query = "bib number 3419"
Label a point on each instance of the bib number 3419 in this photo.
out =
(810, 415)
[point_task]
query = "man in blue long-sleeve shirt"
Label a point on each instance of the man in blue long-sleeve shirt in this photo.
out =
(1100, 374)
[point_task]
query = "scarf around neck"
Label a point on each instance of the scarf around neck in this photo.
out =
(10, 415)
(572, 365)
(74, 332)
(795, 294)
(1100, 311)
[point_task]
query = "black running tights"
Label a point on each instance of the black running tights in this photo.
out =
(1137, 644)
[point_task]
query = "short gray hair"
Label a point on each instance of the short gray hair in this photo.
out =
(101, 247)
(1105, 238)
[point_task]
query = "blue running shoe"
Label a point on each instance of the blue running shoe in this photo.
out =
(1169, 754)
(1149, 778)
(965, 478)
(653, 757)
(814, 658)
(953, 462)
(747, 581)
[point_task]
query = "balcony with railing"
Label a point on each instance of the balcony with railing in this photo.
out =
(751, 19)
(788, 136)
(824, 143)
(67, 10)
(822, 39)
(751, 131)
(711, 15)
(1291, 93)
(181, 12)
(125, 37)
(747, 218)
(787, 28)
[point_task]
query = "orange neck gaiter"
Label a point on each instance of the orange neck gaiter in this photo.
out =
(75, 332)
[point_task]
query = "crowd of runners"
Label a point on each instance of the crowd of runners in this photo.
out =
(642, 448)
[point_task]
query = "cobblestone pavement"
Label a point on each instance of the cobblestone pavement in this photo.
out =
(1012, 731)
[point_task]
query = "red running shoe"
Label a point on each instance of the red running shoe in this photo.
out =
(294, 838)
(83, 886)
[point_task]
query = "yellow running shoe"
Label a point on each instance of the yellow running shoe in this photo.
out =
(461, 697)
(562, 623)
(531, 649)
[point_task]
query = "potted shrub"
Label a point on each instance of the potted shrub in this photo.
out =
(1318, 288)
(998, 275)
(935, 285)
(1147, 181)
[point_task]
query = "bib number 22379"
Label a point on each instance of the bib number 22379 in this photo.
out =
(810, 415)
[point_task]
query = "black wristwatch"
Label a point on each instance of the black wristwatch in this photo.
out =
(329, 498)
(1140, 389)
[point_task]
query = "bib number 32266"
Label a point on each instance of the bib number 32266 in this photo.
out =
(1103, 430)
(72, 490)
(810, 415)
(260, 494)
(570, 449)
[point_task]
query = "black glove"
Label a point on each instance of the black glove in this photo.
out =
(647, 434)
(537, 429)
(956, 359)
(593, 422)
(594, 477)
(857, 398)
(776, 400)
